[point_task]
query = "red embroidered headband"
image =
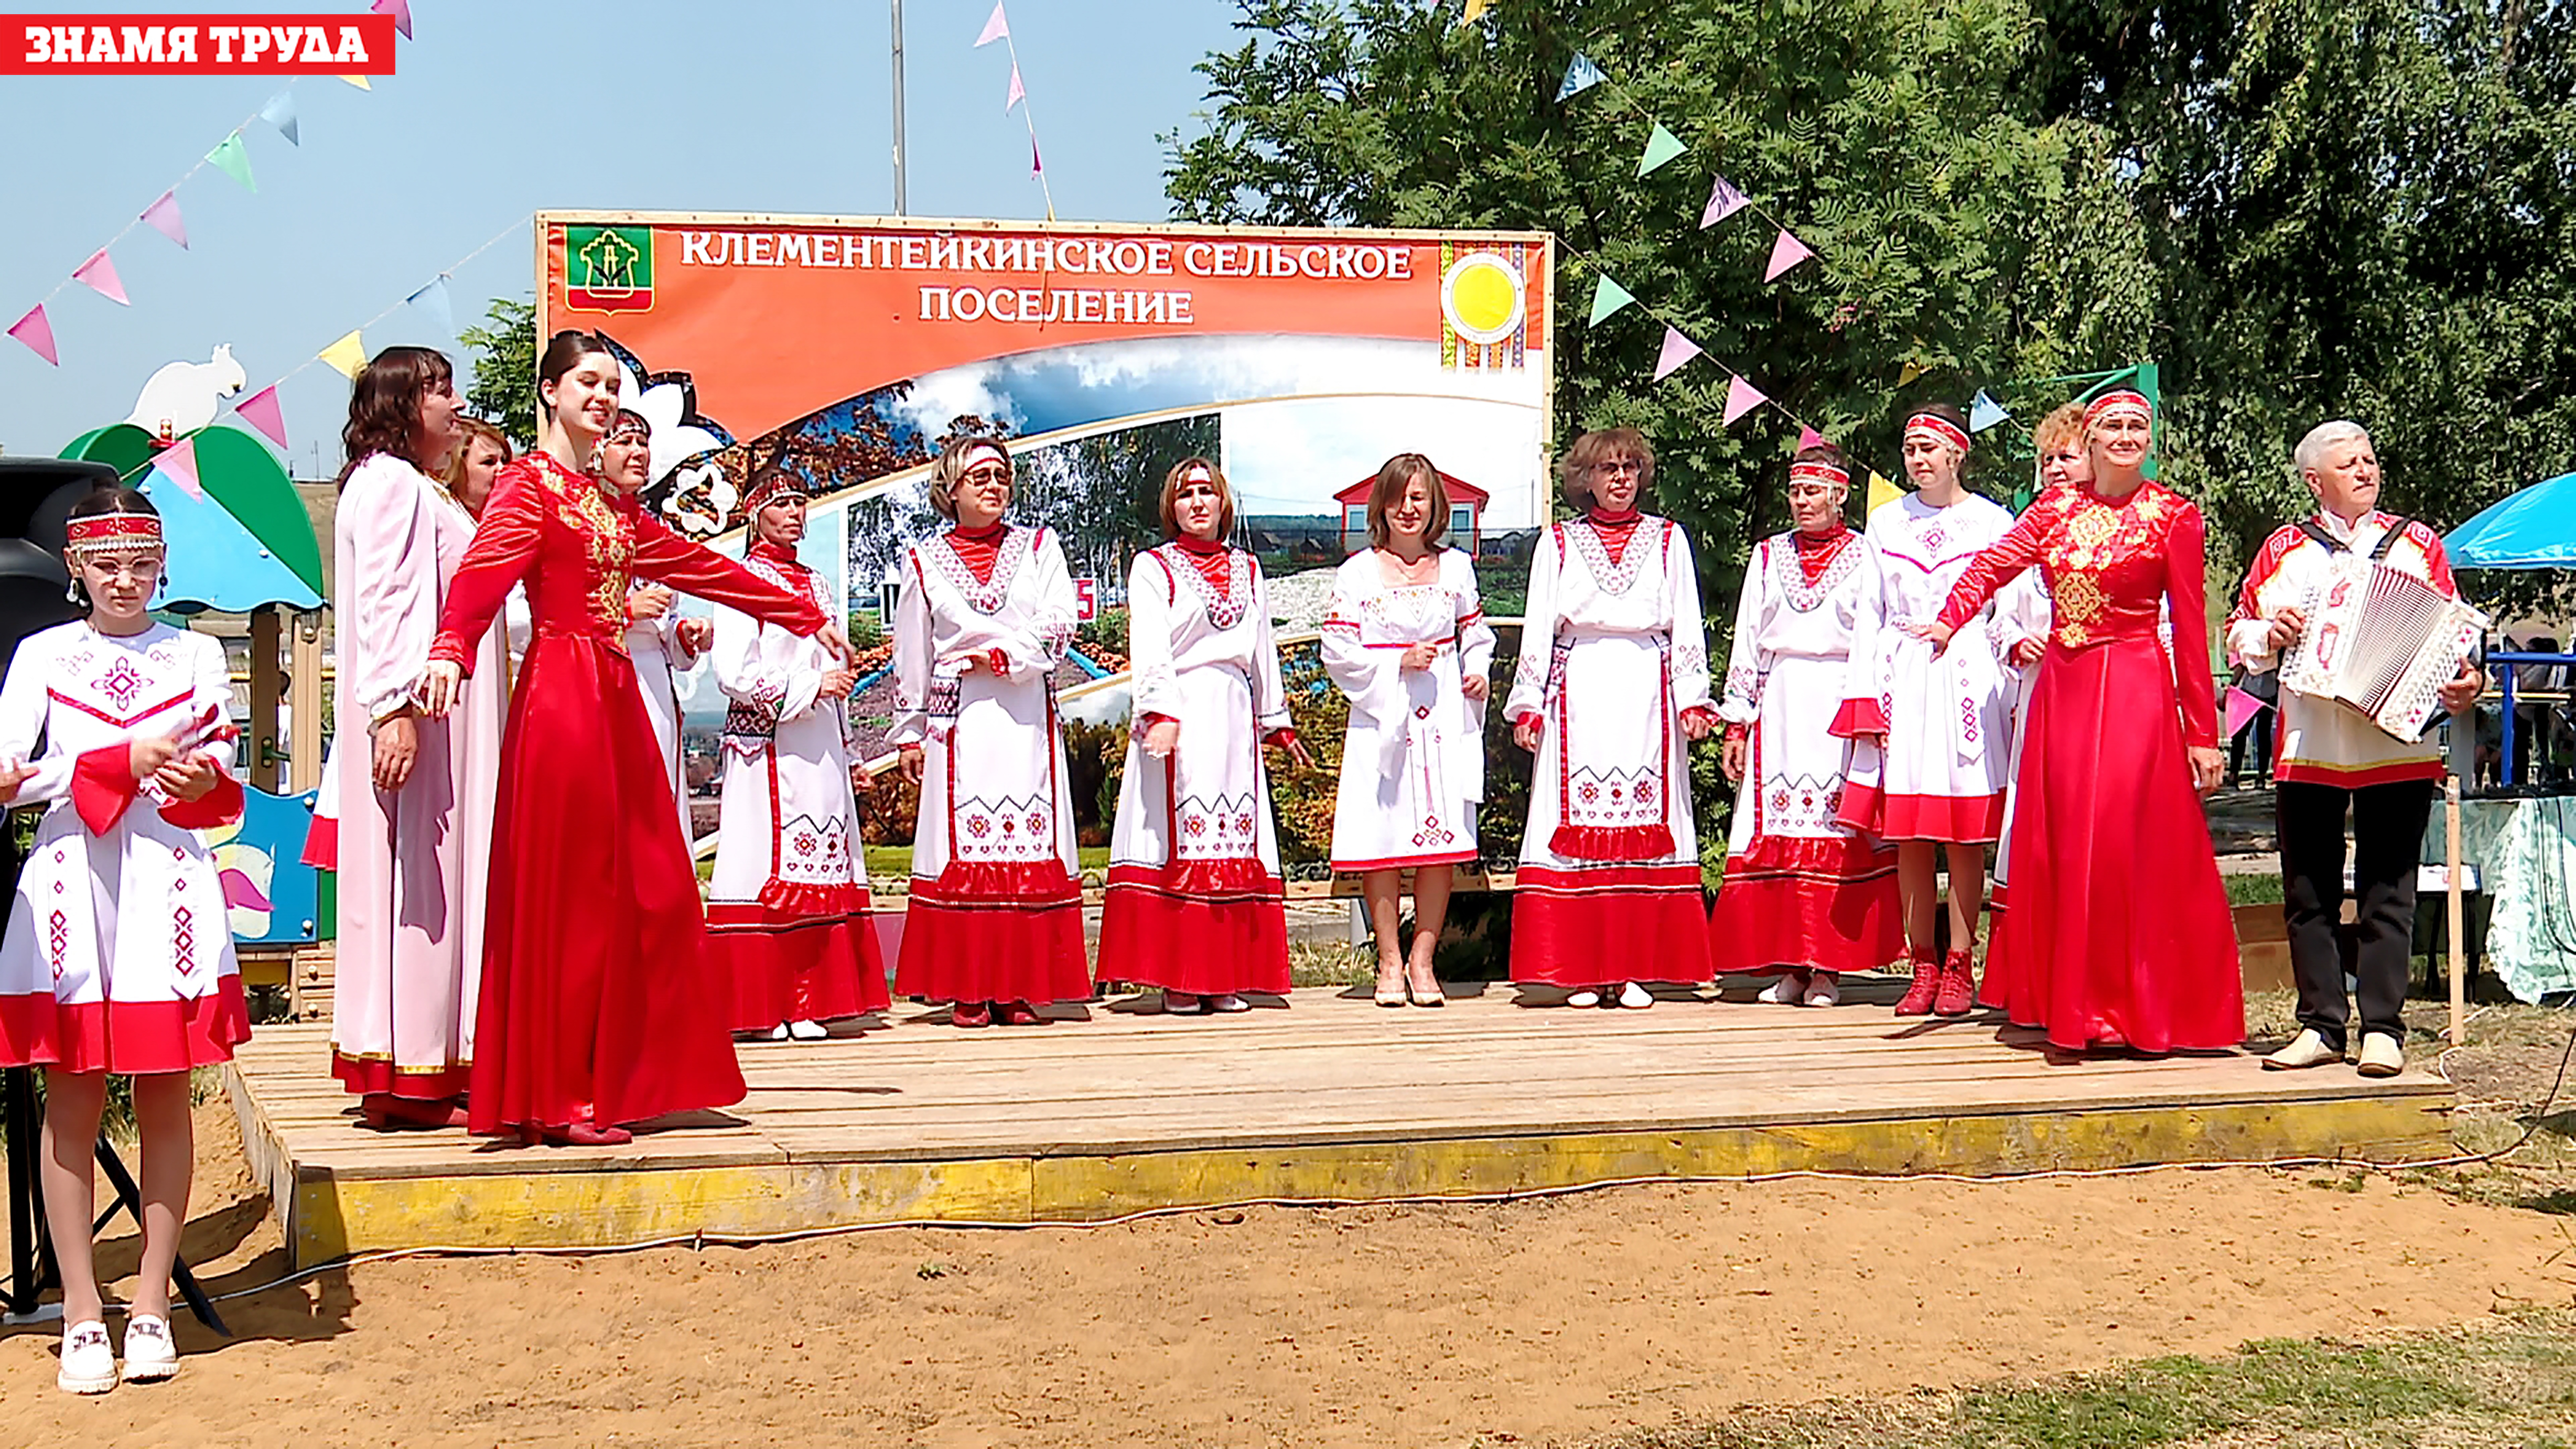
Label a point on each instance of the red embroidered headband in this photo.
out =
(105, 532)
(774, 485)
(1933, 425)
(1819, 472)
(2120, 402)
(626, 423)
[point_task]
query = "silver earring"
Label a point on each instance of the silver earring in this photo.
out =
(72, 591)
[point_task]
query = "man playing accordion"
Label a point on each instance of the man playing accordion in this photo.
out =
(2334, 757)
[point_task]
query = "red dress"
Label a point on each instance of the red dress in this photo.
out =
(2119, 932)
(600, 1001)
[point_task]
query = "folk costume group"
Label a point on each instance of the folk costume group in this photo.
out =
(525, 949)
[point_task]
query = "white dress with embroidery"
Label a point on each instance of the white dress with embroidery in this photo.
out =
(1413, 762)
(1612, 653)
(119, 952)
(1946, 719)
(654, 646)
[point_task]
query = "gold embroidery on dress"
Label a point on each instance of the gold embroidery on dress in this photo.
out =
(606, 542)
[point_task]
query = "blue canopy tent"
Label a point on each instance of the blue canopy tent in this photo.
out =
(2531, 528)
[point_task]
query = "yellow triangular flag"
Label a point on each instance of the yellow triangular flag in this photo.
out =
(1906, 374)
(346, 356)
(1475, 11)
(359, 81)
(1882, 491)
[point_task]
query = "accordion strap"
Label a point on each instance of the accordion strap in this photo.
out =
(2332, 544)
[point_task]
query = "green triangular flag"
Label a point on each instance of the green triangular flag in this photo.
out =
(1607, 297)
(1660, 148)
(233, 159)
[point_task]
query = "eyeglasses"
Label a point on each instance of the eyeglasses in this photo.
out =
(987, 473)
(1621, 465)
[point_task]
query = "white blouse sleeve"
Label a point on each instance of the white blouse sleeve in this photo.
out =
(1690, 631)
(1269, 696)
(1475, 635)
(1152, 594)
(389, 601)
(22, 724)
(1747, 663)
(911, 724)
(1367, 675)
(1538, 632)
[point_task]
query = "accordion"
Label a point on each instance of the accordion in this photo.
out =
(2382, 641)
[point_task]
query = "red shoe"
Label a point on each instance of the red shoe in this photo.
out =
(1957, 995)
(1927, 983)
(1018, 1013)
(971, 1013)
(385, 1112)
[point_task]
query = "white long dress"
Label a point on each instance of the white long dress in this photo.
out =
(787, 905)
(996, 908)
(119, 952)
(1413, 762)
(654, 646)
(1802, 889)
(1195, 901)
(1945, 719)
(1613, 654)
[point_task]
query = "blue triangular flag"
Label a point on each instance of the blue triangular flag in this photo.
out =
(1661, 147)
(1985, 412)
(280, 112)
(1582, 75)
(432, 301)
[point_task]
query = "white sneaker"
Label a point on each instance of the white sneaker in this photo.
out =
(1586, 997)
(2307, 1049)
(807, 1030)
(2382, 1055)
(778, 1032)
(1784, 990)
(1823, 989)
(89, 1365)
(1227, 1002)
(1635, 997)
(149, 1354)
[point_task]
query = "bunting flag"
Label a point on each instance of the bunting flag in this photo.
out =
(1038, 168)
(179, 463)
(1911, 370)
(1984, 412)
(1580, 76)
(1018, 91)
(99, 275)
(280, 112)
(232, 158)
(1475, 11)
(1661, 147)
(1723, 201)
(359, 81)
(1809, 438)
(400, 10)
(1741, 397)
(1607, 297)
(2241, 709)
(997, 28)
(260, 410)
(37, 333)
(1786, 252)
(1882, 492)
(433, 304)
(1678, 350)
(346, 356)
(163, 217)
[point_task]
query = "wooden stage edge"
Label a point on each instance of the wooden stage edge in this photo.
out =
(1333, 1100)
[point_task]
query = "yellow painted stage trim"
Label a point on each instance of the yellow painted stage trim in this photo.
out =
(608, 1204)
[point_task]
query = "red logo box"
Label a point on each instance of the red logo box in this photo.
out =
(196, 45)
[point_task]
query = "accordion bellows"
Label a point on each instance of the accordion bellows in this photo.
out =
(2382, 641)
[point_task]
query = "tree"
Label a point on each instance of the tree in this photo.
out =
(504, 350)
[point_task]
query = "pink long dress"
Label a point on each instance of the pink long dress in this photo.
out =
(412, 861)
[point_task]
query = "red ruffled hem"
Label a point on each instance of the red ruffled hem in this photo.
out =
(1807, 903)
(816, 971)
(1016, 884)
(1953, 819)
(369, 1078)
(809, 899)
(992, 951)
(322, 844)
(1569, 927)
(1155, 936)
(1858, 717)
(129, 1038)
(1611, 842)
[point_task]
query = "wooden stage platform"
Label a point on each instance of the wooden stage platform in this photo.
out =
(1333, 1099)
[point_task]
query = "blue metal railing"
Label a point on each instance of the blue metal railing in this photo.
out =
(2504, 662)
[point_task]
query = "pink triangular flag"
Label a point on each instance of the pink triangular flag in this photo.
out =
(1723, 201)
(1017, 90)
(163, 215)
(99, 274)
(1809, 438)
(179, 460)
(400, 10)
(1786, 252)
(1678, 350)
(2241, 708)
(37, 333)
(1036, 166)
(1741, 397)
(996, 28)
(260, 410)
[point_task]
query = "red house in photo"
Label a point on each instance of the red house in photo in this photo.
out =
(1466, 513)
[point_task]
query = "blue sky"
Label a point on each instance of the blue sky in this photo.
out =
(501, 109)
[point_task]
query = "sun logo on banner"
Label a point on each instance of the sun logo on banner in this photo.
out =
(608, 268)
(1484, 307)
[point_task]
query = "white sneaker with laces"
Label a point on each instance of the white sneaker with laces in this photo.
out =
(149, 1354)
(2307, 1049)
(807, 1030)
(2382, 1055)
(1823, 989)
(1586, 997)
(1635, 997)
(89, 1365)
(1784, 990)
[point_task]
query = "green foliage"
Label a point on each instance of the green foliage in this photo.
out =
(866, 632)
(1106, 630)
(504, 389)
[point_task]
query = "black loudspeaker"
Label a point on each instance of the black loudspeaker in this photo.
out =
(36, 497)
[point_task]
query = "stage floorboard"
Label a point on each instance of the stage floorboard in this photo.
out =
(1335, 1098)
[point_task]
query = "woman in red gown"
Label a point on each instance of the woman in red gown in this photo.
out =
(2119, 935)
(600, 1002)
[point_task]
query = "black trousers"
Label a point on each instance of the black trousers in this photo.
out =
(2388, 842)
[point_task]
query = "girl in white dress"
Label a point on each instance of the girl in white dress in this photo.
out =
(1408, 642)
(1805, 895)
(658, 641)
(986, 615)
(1195, 902)
(1611, 692)
(1933, 730)
(119, 953)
